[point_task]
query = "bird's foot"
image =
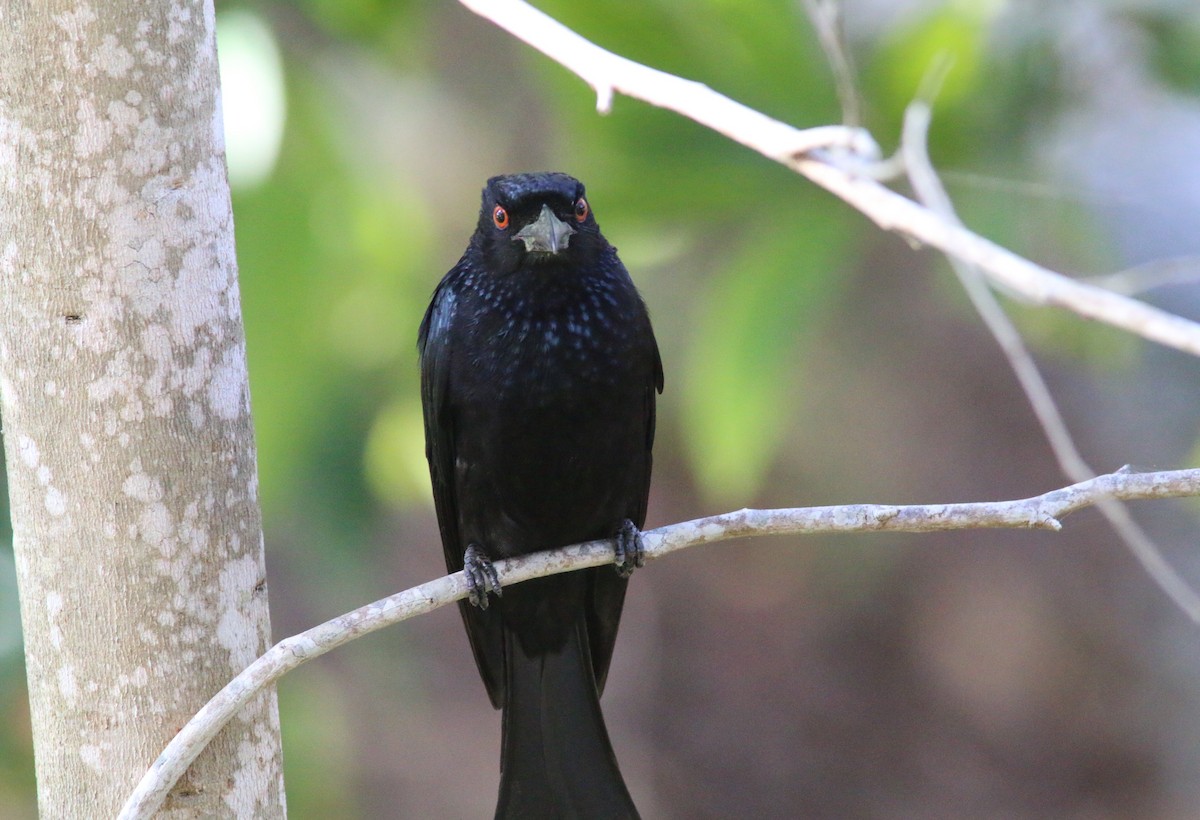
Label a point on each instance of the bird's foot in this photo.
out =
(481, 576)
(631, 554)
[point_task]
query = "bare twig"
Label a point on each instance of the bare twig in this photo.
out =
(930, 191)
(1180, 270)
(826, 17)
(1039, 512)
(808, 152)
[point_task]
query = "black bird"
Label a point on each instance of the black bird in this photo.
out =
(539, 370)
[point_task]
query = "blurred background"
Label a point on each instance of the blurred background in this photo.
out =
(810, 359)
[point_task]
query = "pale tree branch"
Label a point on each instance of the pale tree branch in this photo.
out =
(930, 191)
(838, 159)
(608, 73)
(1038, 512)
(912, 159)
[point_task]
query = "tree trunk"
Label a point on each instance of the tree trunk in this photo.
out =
(123, 389)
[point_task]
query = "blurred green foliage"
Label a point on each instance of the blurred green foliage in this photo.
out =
(398, 111)
(744, 363)
(1176, 52)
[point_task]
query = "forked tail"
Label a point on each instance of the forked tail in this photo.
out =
(556, 760)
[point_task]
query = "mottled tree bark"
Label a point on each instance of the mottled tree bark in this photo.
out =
(124, 397)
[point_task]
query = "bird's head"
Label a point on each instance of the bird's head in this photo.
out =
(535, 218)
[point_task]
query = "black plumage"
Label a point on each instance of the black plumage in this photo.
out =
(539, 370)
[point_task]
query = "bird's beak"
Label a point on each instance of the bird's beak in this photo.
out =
(546, 234)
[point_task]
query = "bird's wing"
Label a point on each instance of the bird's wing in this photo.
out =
(433, 343)
(607, 587)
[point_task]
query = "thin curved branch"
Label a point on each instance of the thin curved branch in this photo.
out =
(1179, 270)
(930, 191)
(1038, 512)
(839, 160)
(826, 18)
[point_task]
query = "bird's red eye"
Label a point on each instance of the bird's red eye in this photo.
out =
(500, 217)
(581, 209)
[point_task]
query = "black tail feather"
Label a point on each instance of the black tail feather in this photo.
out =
(556, 759)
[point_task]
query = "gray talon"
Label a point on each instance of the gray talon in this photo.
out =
(481, 576)
(631, 553)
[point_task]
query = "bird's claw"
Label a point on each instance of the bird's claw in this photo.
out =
(481, 576)
(631, 553)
